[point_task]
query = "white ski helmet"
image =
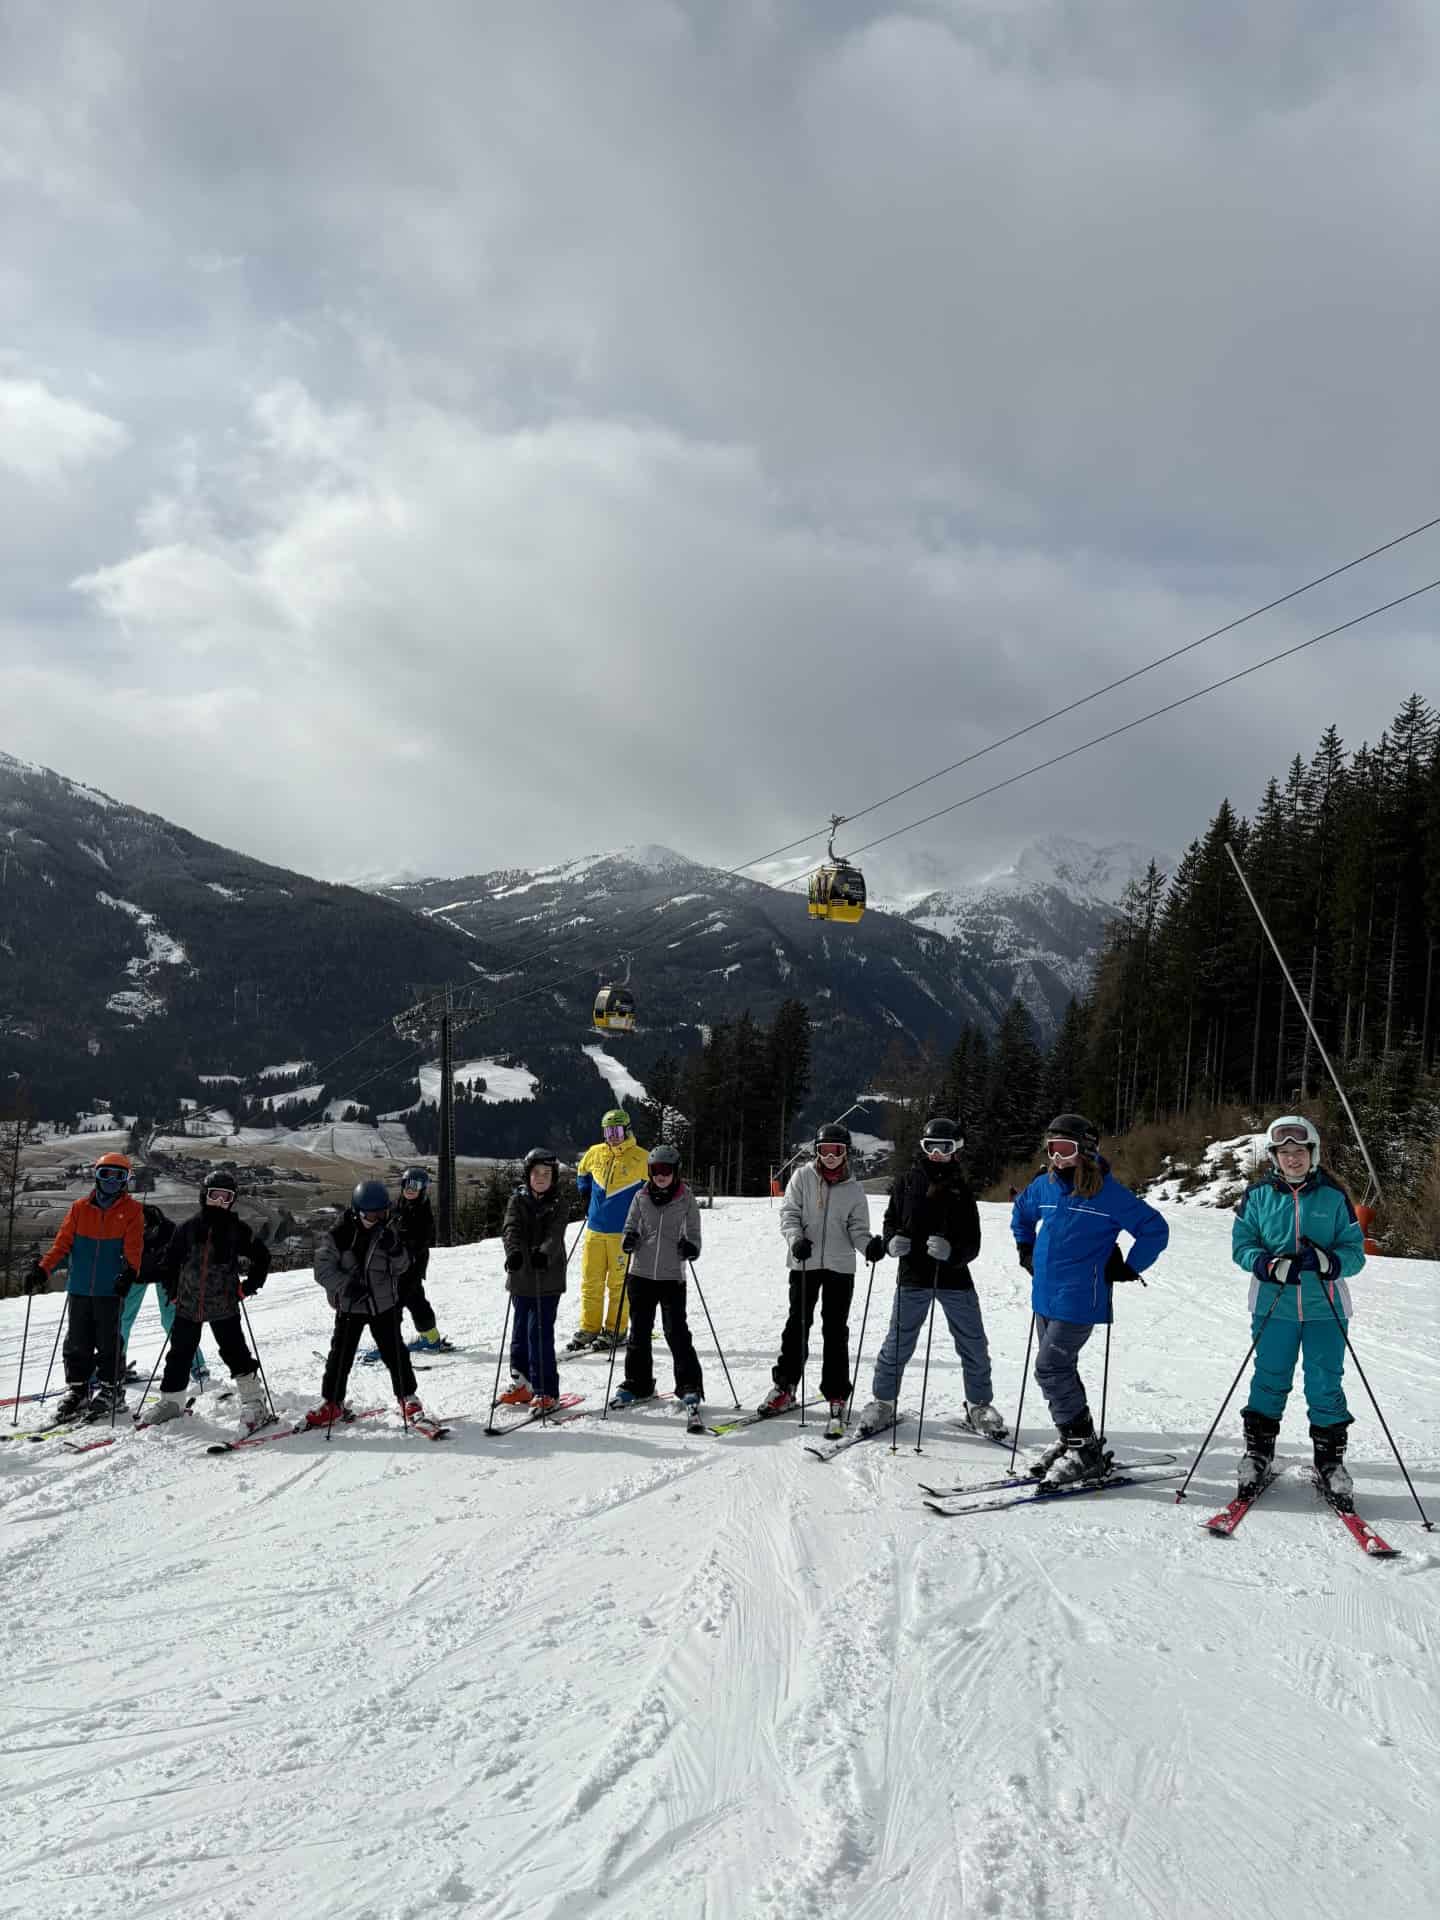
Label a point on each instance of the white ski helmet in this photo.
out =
(1292, 1130)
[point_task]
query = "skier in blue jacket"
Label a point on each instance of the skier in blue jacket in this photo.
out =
(1296, 1235)
(1066, 1224)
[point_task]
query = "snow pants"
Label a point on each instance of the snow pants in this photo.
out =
(1321, 1346)
(532, 1341)
(413, 1300)
(185, 1344)
(834, 1292)
(92, 1337)
(345, 1344)
(602, 1268)
(669, 1297)
(134, 1300)
(961, 1307)
(1057, 1366)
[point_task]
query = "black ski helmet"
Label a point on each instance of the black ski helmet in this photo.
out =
(942, 1129)
(414, 1177)
(833, 1136)
(1074, 1126)
(370, 1196)
(542, 1157)
(664, 1156)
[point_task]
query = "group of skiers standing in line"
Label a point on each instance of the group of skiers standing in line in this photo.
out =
(1295, 1232)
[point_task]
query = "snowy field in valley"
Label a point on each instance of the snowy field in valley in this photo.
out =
(615, 1670)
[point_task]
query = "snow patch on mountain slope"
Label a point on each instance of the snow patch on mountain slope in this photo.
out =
(623, 1083)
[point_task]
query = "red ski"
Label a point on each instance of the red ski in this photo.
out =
(1360, 1531)
(287, 1433)
(1224, 1523)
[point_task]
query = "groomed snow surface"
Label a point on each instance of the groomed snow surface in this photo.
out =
(613, 1670)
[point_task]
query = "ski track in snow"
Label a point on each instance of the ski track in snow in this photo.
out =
(612, 1669)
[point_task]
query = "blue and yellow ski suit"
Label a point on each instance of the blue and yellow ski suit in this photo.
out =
(1277, 1218)
(607, 1180)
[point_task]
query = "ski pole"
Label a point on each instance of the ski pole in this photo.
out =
(156, 1368)
(1425, 1521)
(255, 1349)
(925, 1371)
(1105, 1376)
(860, 1343)
(490, 1426)
(1024, 1377)
(1229, 1393)
(806, 1317)
(713, 1335)
(20, 1378)
(115, 1389)
(60, 1328)
(619, 1315)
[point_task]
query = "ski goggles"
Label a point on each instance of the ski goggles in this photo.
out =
(369, 1219)
(111, 1177)
(413, 1187)
(219, 1197)
(832, 1155)
(661, 1173)
(940, 1149)
(614, 1135)
(1290, 1136)
(1059, 1148)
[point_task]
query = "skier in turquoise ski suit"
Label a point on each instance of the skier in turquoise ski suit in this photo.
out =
(1297, 1237)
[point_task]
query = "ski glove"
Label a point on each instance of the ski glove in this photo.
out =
(938, 1247)
(1276, 1269)
(1118, 1268)
(801, 1248)
(899, 1245)
(37, 1279)
(539, 1259)
(249, 1288)
(629, 1242)
(124, 1280)
(389, 1240)
(1025, 1254)
(687, 1249)
(875, 1248)
(1315, 1259)
(514, 1262)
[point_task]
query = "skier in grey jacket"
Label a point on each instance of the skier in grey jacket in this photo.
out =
(360, 1263)
(825, 1218)
(662, 1235)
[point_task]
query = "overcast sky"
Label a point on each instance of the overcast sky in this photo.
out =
(470, 433)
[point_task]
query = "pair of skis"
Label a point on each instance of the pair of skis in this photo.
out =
(1224, 1523)
(422, 1424)
(558, 1415)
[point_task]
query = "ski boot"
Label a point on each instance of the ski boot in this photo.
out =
(982, 1418)
(545, 1403)
(778, 1400)
(74, 1401)
(169, 1406)
(411, 1409)
(1330, 1470)
(691, 1404)
(879, 1414)
(254, 1413)
(108, 1398)
(623, 1397)
(329, 1413)
(835, 1423)
(517, 1394)
(1258, 1462)
(1081, 1455)
(581, 1342)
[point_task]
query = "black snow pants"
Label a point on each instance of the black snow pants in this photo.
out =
(92, 1333)
(834, 1292)
(385, 1331)
(185, 1339)
(645, 1296)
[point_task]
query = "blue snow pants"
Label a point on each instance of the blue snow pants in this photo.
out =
(1321, 1346)
(532, 1341)
(961, 1307)
(1057, 1368)
(130, 1307)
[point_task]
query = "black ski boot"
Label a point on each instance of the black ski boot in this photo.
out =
(1083, 1457)
(1329, 1444)
(74, 1402)
(1261, 1433)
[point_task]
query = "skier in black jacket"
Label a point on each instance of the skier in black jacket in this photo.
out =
(932, 1227)
(201, 1274)
(414, 1218)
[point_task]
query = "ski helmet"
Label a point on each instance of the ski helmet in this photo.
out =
(221, 1181)
(414, 1177)
(615, 1117)
(1292, 1130)
(833, 1136)
(542, 1157)
(370, 1196)
(111, 1173)
(938, 1132)
(1074, 1126)
(665, 1157)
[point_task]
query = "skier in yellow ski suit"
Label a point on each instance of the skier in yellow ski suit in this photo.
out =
(607, 1180)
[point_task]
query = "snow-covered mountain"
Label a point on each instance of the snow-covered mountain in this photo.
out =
(1035, 924)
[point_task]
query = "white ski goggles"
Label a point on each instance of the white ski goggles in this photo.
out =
(940, 1148)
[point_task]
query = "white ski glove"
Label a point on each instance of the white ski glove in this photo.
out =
(899, 1246)
(938, 1247)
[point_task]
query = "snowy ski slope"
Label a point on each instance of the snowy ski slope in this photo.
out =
(612, 1670)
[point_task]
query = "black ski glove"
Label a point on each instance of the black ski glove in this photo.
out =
(249, 1288)
(687, 1249)
(801, 1248)
(388, 1240)
(124, 1280)
(875, 1248)
(37, 1279)
(1118, 1268)
(514, 1262)
(629, 1242)
(1025, 1254)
